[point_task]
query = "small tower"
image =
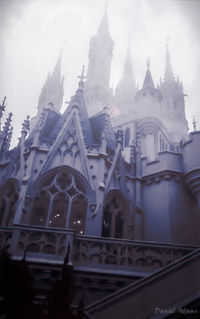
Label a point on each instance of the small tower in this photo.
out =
(148, 98)
(126, 90)
(148, 81)
(97, 91)
(52, 91)
(173, 104)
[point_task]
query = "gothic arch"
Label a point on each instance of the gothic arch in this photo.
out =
(9, 194)
(60, 199)
(115, 215)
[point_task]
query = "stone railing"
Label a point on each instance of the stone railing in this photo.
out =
(36, 241)
(125, 254)
(89, 252)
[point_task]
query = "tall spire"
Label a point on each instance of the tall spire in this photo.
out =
(128, 69)
(52, 91)
(99, 66)
(56, 74)
(126, 90)
(103, 28)
(168, 77)
(148, 81)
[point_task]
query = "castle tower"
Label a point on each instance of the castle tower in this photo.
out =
(173, 104)
(126, 90)
(52, 91)
(97, 91)
(148, 98)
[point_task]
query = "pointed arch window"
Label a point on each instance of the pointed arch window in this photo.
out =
(78, 217)
(40, 208)
(61, 202)
(59, 210)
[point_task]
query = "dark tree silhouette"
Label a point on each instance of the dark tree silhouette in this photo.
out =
(17, 293)
(16, 288)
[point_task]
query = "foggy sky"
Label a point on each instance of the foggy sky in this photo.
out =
(32, 32)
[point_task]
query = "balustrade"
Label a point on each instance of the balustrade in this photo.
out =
(90, 252)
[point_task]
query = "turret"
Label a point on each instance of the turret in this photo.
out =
(126, 90)
(97, 91)
(173, 104)
(148, 98)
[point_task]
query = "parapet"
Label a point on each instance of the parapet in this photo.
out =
(166, 161)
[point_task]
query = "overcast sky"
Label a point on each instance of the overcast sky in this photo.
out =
(32, 33)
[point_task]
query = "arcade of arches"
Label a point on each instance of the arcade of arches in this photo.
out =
(61, 200)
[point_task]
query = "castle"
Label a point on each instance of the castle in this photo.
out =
(119, 192)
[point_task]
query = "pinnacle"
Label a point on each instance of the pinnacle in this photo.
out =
(148, 81)
(104, 26)
(168, 77)
(128, 69)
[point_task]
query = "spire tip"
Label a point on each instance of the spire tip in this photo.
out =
(148, 63)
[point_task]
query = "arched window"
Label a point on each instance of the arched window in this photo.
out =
(61, 201)
(9, 194)
(78, 216)
(40, 208)
(59, 210)
(115, 216)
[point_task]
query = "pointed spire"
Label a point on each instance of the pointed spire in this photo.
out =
(168, 77)
(104, 26)
(52, 91)
(56, 74)
(26, 125)
(128, 69)
(148, 81)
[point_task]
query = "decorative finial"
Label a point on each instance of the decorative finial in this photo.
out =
(167, 40)
(7, 123)
(42, 118)
(167, 44)
(62, 49)
(194, 124)
(82, 77)
(26, 125)
(2, 107)
(106, 6)
(148, 63)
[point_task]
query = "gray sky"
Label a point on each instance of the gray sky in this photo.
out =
(32, 33)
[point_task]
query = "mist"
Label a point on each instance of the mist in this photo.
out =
(33, 32)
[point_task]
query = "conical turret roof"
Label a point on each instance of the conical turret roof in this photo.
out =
(148, 81)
